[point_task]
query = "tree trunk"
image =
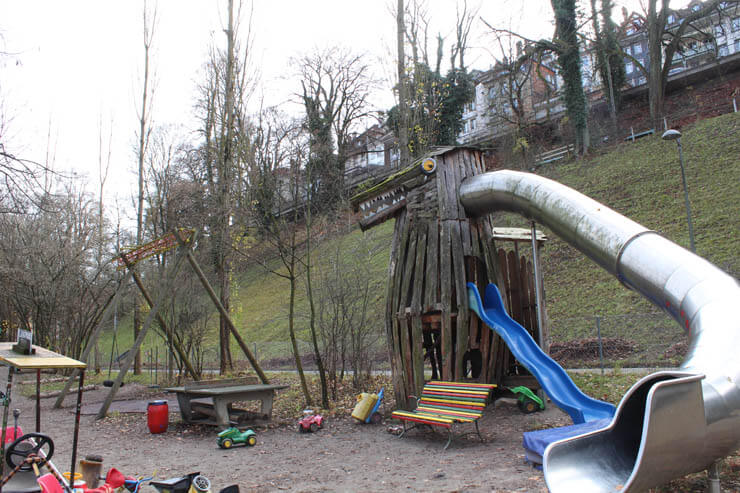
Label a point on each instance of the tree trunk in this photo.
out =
(403, 131)
(294, 342)
(570, 64)
(655, 69)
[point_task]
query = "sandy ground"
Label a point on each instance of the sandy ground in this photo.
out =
(344, 456)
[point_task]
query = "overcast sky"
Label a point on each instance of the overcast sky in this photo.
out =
(72, 63)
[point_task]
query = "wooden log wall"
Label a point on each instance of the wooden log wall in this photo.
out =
(436, 249)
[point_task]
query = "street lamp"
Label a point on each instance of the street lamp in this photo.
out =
(676, 135)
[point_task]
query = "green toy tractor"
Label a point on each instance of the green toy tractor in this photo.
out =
(232, 436)
(527, 401)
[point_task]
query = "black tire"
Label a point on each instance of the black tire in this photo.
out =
(529, 406)
(314, 427)
(300, 428)
(252, 441)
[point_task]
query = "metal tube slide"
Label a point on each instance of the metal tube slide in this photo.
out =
(669, 423)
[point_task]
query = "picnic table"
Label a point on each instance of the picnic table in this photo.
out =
(211, 402)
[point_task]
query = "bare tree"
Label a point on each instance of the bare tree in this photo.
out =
(227, 87)
(335, 86)
(403, 104)
(664, 41)
(150, 22)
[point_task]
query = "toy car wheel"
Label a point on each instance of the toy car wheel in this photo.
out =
(376, 418)
(529, 406)
(252, 441)
(300, 428)
(314, 427)
(227, 443)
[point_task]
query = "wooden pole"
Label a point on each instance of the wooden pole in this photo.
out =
(194, 264)
(93, 340)
(164, 289)
(170, 334)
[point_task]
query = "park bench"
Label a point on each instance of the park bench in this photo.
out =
(446, 405)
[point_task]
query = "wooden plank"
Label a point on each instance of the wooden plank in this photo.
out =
(218, 383)
(514, 290)
(394, 279)
(41, 360)
(417, 349)
(445, 279)
(418, 354)
(431, 283)
(458, 262)
(419, 270)
(404, 300)
(524, 293)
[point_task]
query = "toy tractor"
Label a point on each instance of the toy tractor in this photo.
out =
(232, 436)
(527, 401)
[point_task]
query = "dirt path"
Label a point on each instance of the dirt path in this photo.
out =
(344, 456)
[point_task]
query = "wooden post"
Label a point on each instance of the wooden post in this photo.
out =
(93, 340)
(225, 314)
(170, 334)
(165, 289)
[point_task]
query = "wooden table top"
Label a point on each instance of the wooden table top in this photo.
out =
(43, 359)
(227, 389)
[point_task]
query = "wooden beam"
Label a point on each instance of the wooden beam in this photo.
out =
(93, 339)
(165, 289)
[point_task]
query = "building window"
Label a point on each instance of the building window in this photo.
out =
(723, 51)
(671, 19)
(736, 24)
(719, 31)
(637, 49)
(629, 67)
(695, 8)
(641, 80)
(492, 93)
(737, 45)
(473, 124)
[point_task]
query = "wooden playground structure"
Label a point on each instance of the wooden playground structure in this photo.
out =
(436, 249)
(182, 240)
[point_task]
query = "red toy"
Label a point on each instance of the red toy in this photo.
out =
(310, 422)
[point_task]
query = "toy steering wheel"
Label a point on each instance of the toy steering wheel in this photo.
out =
(18, 453)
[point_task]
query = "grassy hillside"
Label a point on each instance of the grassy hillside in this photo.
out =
(640, 180)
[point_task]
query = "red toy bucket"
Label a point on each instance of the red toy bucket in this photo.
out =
(157, 416)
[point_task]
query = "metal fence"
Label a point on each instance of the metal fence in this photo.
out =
(644, 340)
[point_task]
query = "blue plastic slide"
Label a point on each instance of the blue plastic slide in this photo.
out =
(554, 380)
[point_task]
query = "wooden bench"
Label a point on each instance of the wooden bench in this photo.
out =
(446, 404)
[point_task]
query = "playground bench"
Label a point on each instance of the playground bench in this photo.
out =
(446, 404)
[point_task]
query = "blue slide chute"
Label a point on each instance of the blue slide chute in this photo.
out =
(553, 378)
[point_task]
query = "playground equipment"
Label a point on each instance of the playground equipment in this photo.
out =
(366, 409)
(527, 401)
(310, 422)
(183, 239)
(436, 249)
(40, 358)
(232, 436)
(670, 423)
(553, 378)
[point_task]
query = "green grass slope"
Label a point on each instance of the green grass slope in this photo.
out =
(640, 180)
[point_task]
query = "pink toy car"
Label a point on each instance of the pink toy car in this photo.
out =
(310, 422)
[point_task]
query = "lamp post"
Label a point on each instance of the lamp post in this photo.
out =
(676, 135)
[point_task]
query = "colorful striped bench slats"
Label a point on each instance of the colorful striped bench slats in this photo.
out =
(445, 403)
